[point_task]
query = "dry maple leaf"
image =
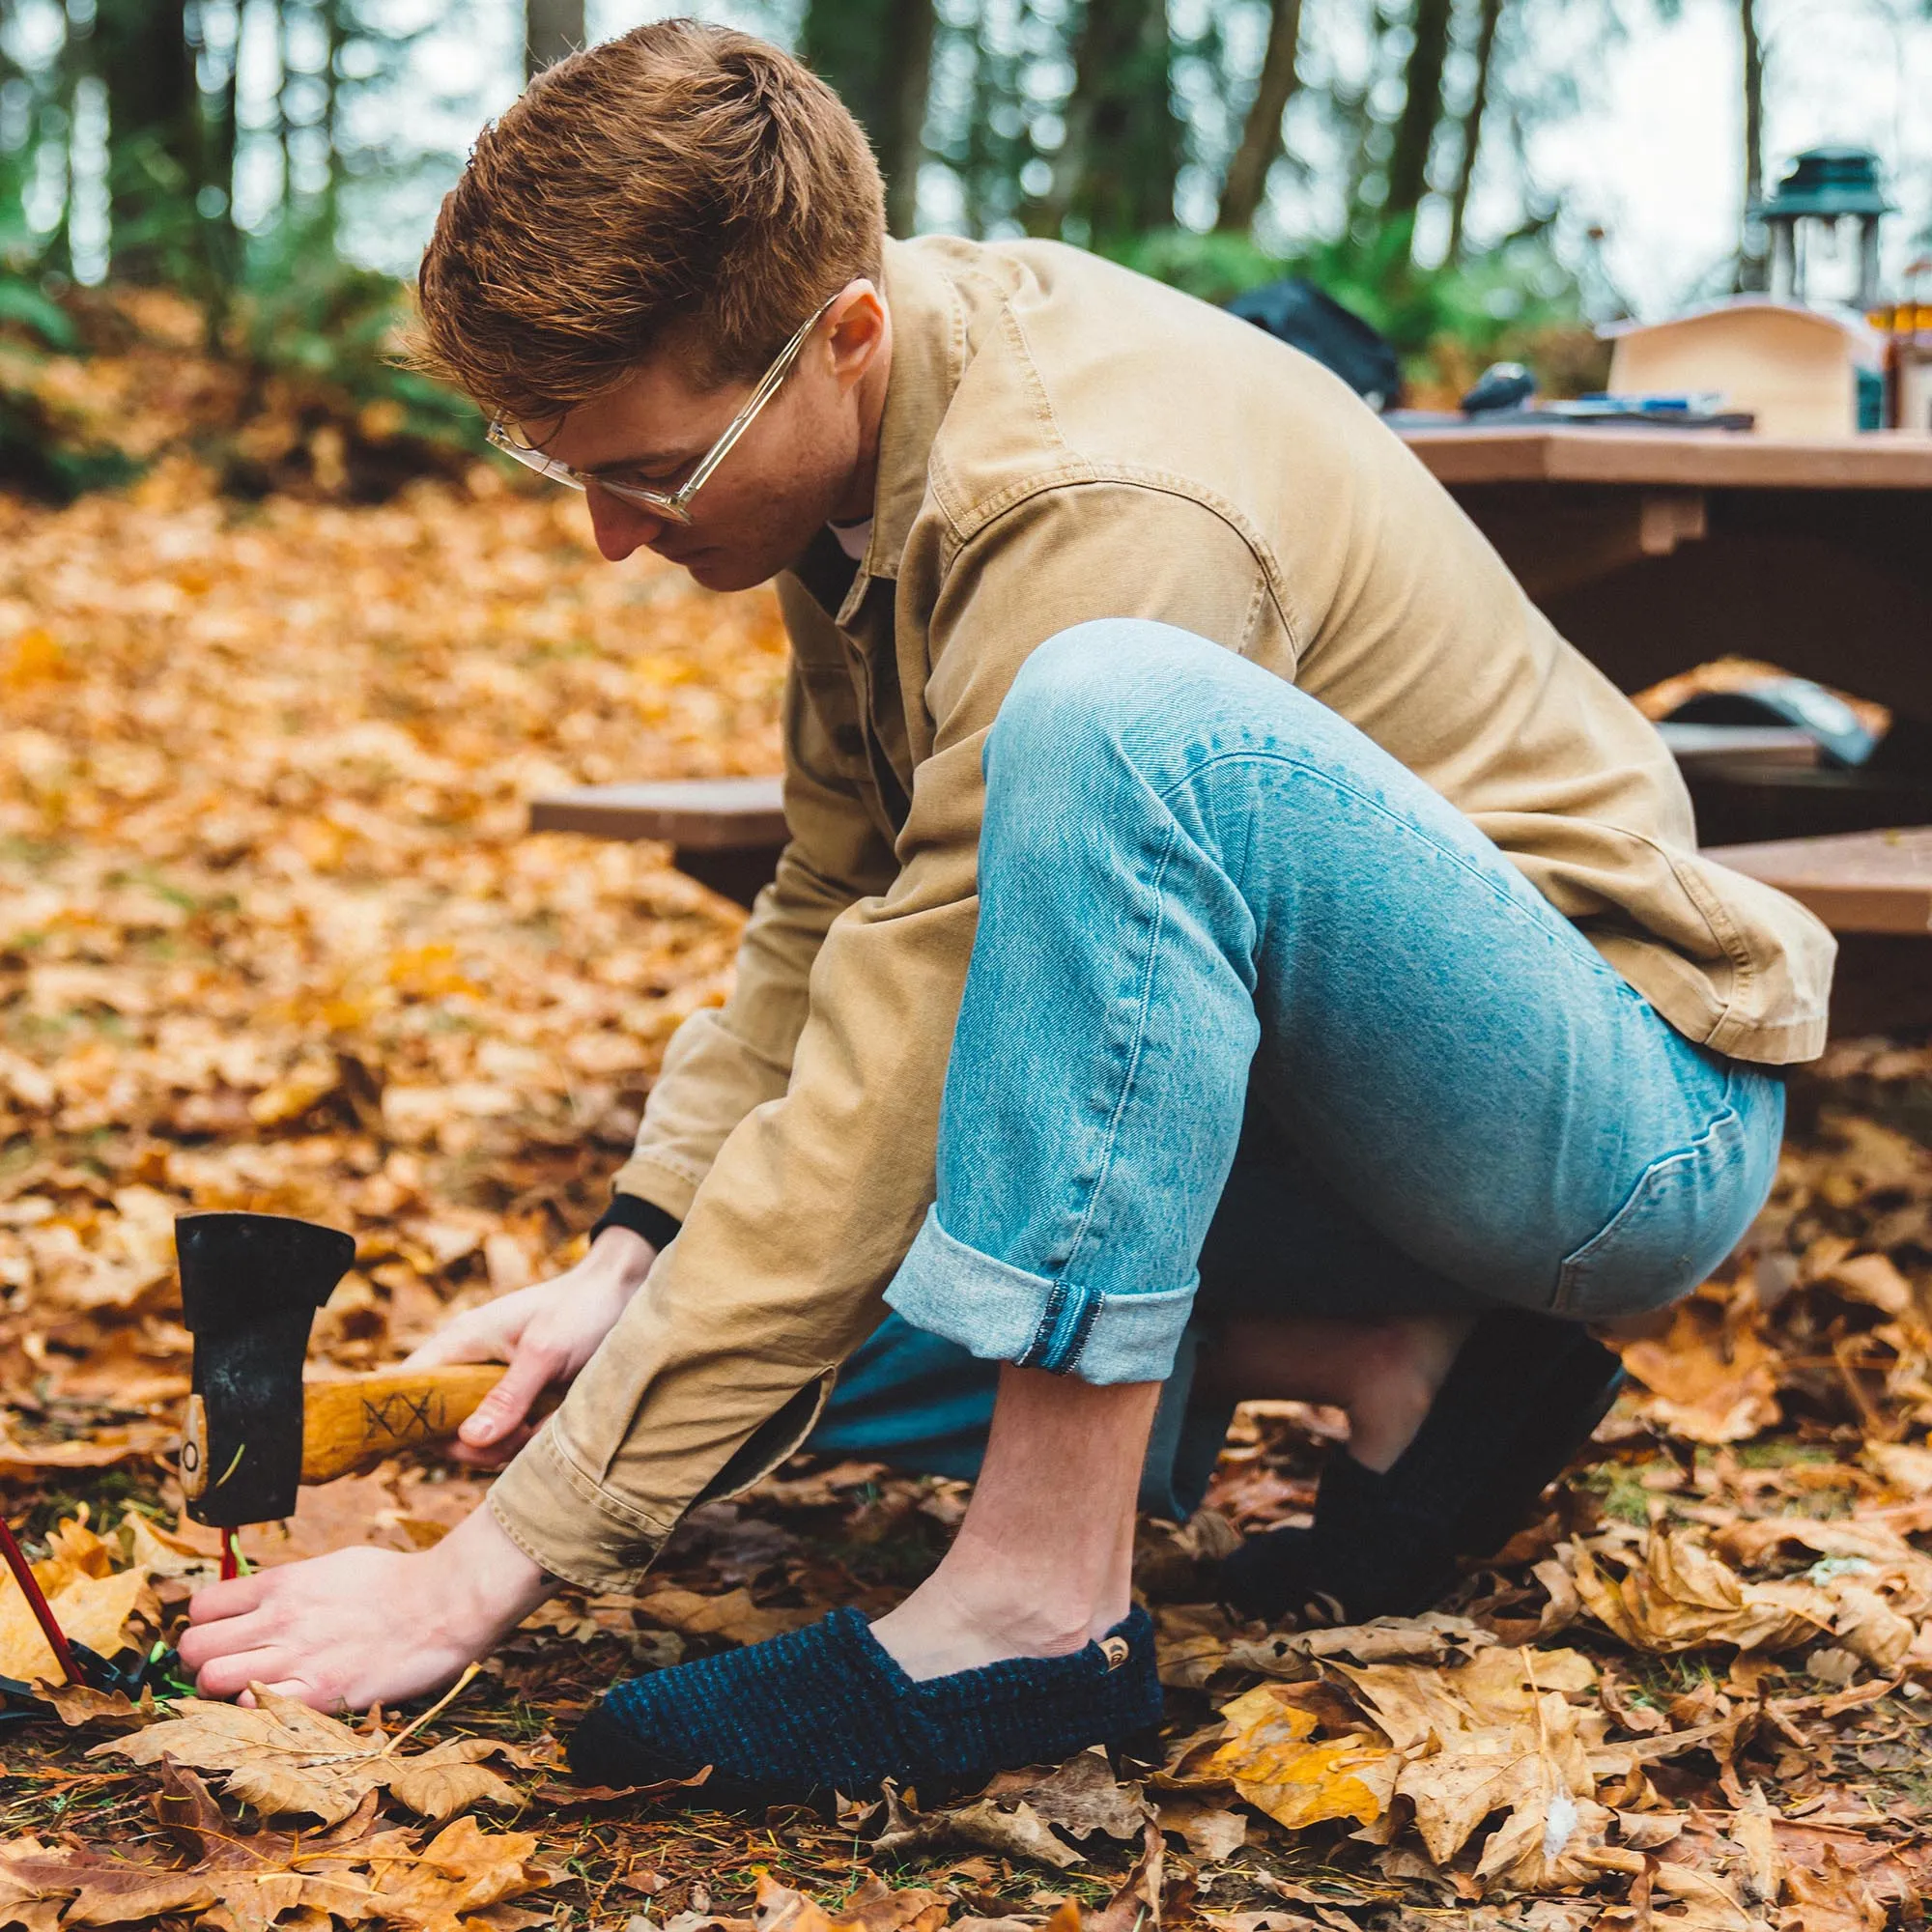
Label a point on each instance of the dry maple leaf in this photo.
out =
(732, 1616)
(1707, 1380)
(1137, 1902)
(283, 1757)
(1080, 1797)
(873, 1907)
(89, 1601)
(1676, 1595)
(1213, 1832)
(1274, 1763)
(1013, 1831)
(455, 1880)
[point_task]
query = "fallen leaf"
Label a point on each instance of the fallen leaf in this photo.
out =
(1080, 1797)
(1213, 1832)
(1708, 1381)
(732, 1616)
(1678, 1596)
(1137, 1902)
(1271, 1763)
(93, 1611)
(284, 1757)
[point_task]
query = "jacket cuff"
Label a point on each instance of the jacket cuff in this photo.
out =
(657, 1225)
(560, 1518)
(662, 1179)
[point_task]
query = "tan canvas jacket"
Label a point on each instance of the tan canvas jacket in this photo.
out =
(1063, 440)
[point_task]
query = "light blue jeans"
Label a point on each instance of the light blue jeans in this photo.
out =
(1250, 1006)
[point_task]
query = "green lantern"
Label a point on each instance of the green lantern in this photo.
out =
(1824, 187)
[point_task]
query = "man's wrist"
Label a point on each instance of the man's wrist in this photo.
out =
(658, 1226)
(622, 1253)
(498, 1582)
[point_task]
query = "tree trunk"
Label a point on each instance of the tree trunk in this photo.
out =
(551, 29)
(140, 50)
(1261, 133)
(1421, 108)
(1752, 266)
(877, 56)
(1122, 148)
(1472, 125)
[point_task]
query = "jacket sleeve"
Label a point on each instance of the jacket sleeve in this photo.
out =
(724, 1060)
(715, 1372)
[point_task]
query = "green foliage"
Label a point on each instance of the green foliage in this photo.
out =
(40, 450)
(1498, 304)
(320, 338)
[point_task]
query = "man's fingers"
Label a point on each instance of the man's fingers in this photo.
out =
(492, 1454)
(509, 1402)
(455, 1342)
(201, 1643)
(231, 1676)
(235, 1598)
(306, 1693)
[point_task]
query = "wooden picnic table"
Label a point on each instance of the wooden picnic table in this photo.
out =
(1655, 550)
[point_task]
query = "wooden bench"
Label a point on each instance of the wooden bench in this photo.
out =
(1874, 890)
(724, 833)
(728, 832)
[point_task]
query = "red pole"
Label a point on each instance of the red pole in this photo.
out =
(231, 1556)
(23, 1575)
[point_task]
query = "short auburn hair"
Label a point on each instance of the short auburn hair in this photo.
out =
(683, 185)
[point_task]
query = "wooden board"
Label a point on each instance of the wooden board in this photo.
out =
(1858, 882)
(697, 815)
(1711, 459)
(1699, 748)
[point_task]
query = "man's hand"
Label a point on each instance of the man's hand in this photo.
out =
(361, 1627)
(546, 1332)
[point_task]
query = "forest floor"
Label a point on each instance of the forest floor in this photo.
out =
(272, 937)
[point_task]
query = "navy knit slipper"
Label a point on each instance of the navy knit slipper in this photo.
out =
(827, 1710)
(1522, 1396)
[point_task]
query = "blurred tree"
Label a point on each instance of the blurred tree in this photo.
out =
(877, 54)
(1472, 125)
(1421, 108)
(1246, 181)
(1117, 166)
(1753, 271)
(551, 29)
(139, 48)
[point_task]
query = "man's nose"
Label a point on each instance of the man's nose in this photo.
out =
(620, 527)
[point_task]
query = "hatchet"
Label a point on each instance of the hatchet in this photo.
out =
(255, 1430)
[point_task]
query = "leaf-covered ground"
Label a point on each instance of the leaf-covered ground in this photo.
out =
(272, 936)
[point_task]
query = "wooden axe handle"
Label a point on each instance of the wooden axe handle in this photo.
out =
(348, 1424)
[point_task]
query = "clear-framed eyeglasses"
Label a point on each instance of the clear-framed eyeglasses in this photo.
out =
(674, 505)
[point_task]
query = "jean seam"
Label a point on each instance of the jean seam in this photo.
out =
(1311, 770)
(1041, 1351)
(1575, 1263)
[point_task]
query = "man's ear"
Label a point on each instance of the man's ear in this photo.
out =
(860, 329)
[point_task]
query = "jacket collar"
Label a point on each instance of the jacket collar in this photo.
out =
(928, 361)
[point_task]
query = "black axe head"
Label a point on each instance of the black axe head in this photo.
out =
(251, 1286)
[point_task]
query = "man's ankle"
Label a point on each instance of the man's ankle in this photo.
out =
(951, 1623)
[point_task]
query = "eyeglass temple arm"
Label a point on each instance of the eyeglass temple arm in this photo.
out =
(768, 386)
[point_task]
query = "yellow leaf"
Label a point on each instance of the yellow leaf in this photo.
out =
(93, 1611)
(1272, 1764)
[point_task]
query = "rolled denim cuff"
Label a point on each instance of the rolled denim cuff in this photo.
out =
(1002, 1314)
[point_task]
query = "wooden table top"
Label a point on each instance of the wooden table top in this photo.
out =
(1854, 882)
(1675, 458)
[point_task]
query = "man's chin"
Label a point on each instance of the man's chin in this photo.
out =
(719, 570)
